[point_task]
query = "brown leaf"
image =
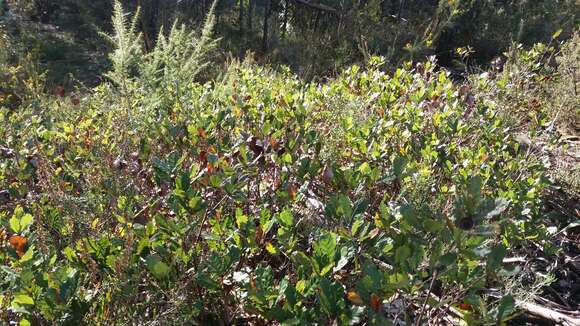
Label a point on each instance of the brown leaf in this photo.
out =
(292, 191)
(259, 234)
(201, 132)
(18, 243)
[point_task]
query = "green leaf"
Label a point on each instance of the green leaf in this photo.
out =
(355, 226)
(402, 254)
(447, 260)
(287, 158)
(241, 219)
(285, 218)
(28, 255)
(365, 168)
(345, 255)
(506, 306)
(301, 286)
(69, 253)
(22, 299)
(475, 184)
(409, 215)
(25, 221)
(14, 224)
(324, 253)
(326, 269)
(495, 257)
(331, 295)
(157, 267)
(499, 206)
(360, 206)
(339, 206)
(24, 322)
(326, 246)
(399, 166)
(195, 203)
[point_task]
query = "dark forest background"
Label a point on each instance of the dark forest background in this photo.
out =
(314, 38)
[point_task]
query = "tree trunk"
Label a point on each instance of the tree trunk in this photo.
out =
(241, 16)
(388, 8)
(251, 6)
(44, 10)
(316, 21)
(144, 29)
(266, 26)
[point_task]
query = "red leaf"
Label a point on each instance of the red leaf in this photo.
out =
(464, 306)
(375, 302)
(59, 91)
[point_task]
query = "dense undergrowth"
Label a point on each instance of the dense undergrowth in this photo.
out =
(372, 198)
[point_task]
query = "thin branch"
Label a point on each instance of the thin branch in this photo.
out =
(426, 298)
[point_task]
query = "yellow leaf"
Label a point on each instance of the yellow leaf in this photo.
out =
(271, 249)
(354, 298)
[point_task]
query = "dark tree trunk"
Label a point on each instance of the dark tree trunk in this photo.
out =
(241, 16)
(44, 10)
(251, 6)
(316, 21)
(389, 7)
(266, 25)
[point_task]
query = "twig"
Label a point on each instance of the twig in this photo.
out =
(146, 207)
(451, 320)
(205, 218)
(456, 312)
(426, 298)
(384, 266)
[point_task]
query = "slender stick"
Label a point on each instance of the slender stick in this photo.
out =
(426, 298)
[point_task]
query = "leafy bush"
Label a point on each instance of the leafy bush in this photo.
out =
(262, 197)
(229, 201)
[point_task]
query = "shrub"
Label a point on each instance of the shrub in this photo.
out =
(261, 197)
(240, 197)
